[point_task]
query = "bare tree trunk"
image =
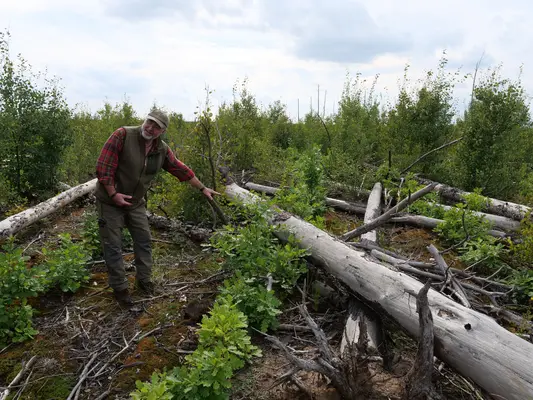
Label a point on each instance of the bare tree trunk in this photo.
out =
(356, 208)
(498, 221)
(495, 206)
(420, 385)
(472, 343)
(373, 211)
(19, 221)
(367, 227)
(431, 223)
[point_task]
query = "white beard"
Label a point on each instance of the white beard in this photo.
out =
(144, 134)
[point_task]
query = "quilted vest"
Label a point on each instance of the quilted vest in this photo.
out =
(135, 170)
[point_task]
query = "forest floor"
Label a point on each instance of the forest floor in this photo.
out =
(89, 330)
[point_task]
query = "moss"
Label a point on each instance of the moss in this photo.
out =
(54, 388)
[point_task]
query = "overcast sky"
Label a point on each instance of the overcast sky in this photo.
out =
(167, 51)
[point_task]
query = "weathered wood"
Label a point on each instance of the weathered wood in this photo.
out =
(420, 385)
(445, 270)
(387, 215)
(471, 342)
(373, 211)
(17, 222)
(498, 221)
(431, 223)
(499, 207)
(356, 208)
(362, 329)
(16, 380)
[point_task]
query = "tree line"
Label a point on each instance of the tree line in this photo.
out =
(44, 141)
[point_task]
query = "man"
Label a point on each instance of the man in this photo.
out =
(128, 162)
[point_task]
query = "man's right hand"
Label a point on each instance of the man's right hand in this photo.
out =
(120, 199)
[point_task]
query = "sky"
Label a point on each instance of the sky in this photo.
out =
(300, 52)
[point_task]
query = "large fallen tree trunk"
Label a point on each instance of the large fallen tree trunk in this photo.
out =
(499, 207)
(19, 221)
(472, 343)
(431, 223)
(356, 208)
(497, 221)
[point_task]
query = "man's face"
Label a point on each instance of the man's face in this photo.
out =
(151, 130)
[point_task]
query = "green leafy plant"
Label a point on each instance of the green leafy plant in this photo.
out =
(254, 251)
(303, 191)
(66, 265)
(260, 306)
(461, 223)
(485, 254)
(18, 282)
(224, 346)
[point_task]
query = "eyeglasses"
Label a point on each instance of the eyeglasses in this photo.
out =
(153, 125)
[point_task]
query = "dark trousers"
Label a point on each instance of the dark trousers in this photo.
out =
(111, 221)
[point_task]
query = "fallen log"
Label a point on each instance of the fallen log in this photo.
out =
(17, 222)
(499, 207)
(356, 208)
(373, 211)
(363, 329)
(367, 227)
(497, 221)
(431, 223)
(470, 342)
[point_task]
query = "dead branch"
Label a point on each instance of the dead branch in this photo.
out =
(20, 375)
(428, 153)
(419, 385)
(450, 278)
(387, 215)
(85, 373)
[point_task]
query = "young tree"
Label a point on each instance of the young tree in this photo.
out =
(495, 131)
(35, 126)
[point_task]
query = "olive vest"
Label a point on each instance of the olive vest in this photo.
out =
(135, 170)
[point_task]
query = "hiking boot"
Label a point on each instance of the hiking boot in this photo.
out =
(147, 287)
(123, 297)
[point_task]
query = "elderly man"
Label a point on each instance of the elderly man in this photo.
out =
(128, 162)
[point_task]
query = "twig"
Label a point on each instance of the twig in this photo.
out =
(16, 380)
(32, 242)
(291, 327)
(428, 153)
(209, 278)
(5, 348)
(24, 386)
(127, 345)
(82, 378)
(161, 296)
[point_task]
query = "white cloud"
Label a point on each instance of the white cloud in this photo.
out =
(168, 50)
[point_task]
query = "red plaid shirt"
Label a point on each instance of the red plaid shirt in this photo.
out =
(108, 160)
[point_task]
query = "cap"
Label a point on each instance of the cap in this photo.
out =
(159, 117)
